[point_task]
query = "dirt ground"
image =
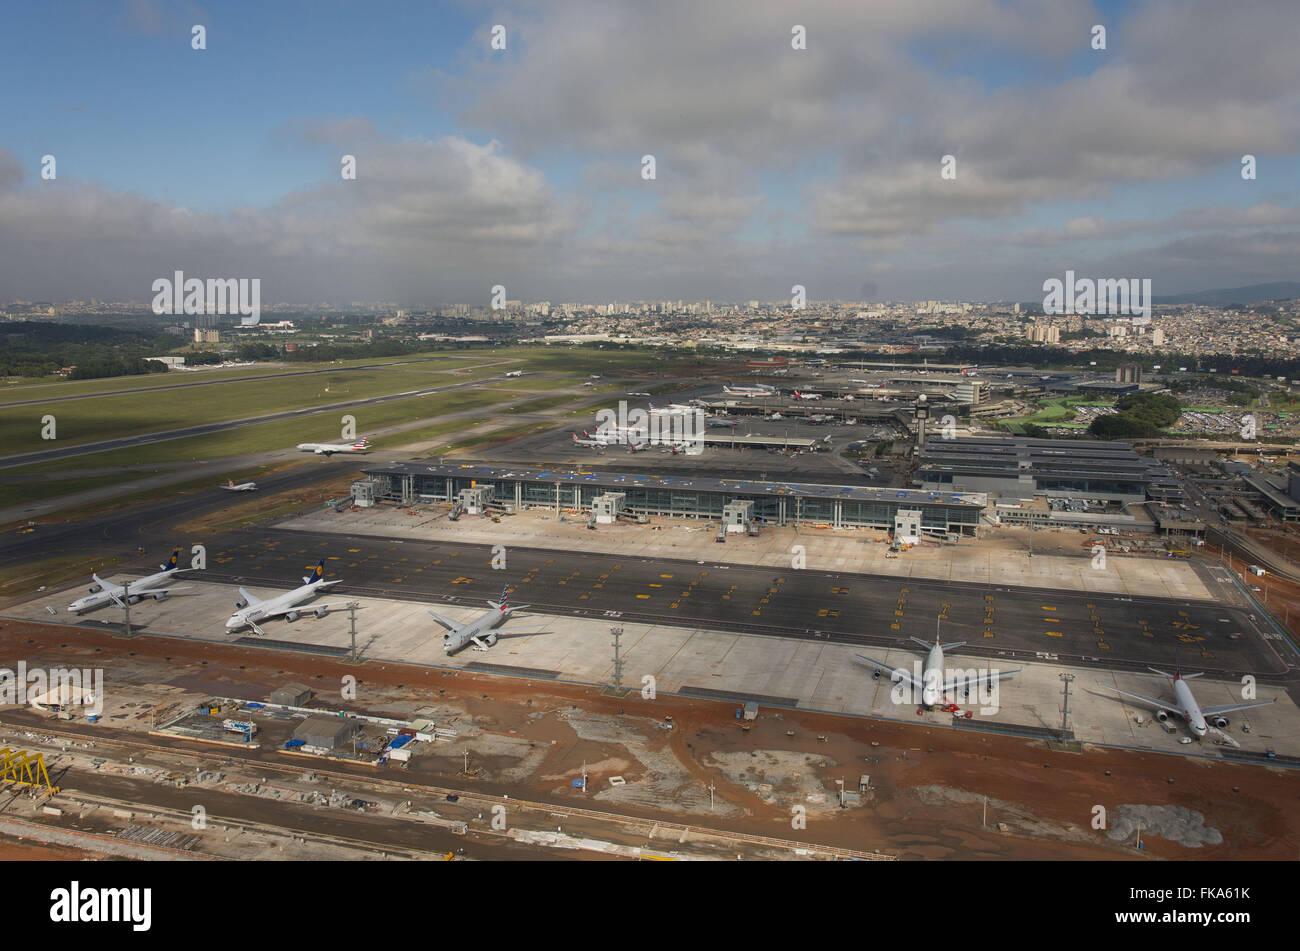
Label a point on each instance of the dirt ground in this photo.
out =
(927, 781)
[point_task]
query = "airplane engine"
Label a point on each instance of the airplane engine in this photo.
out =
(1162, 715)
(95, 589)
(320, 612)
(1220, 722)
(160, 596)
(490, 640)
(291, 616)
(241, 604)
(133, 599)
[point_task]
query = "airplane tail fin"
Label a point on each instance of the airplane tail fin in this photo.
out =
(230, 483)
(173, 561)
(1173, 676)
(926, 644)
(317, 575)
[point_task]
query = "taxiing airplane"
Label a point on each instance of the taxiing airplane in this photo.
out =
(932, 686)
(748, 389)
(329, 448)
(807, 396)
(515, 373)
(479, 632)
(1200, 720)
(102, 592)
(717, 423)
(242, 487)
(249, 610)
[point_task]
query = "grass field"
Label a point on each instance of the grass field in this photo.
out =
(264, 437)
(101, 413)
(51, 571)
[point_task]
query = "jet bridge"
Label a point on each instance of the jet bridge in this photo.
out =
(476, 500)
(738, 516)
(606, 508)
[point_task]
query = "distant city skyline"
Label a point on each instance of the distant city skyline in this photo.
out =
(523, 166)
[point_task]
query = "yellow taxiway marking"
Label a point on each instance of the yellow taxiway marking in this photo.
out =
(1053, 633)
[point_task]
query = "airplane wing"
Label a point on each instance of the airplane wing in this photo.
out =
(1229, 707)
(302, 609)
(117, 598)
(249, 599)
(1157, 704)
(953, 683)
(446, 622)
(894, 672)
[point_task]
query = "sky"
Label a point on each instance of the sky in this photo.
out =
(523, 167)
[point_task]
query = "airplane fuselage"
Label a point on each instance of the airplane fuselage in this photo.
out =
(111, 591)
(250, 615)
(462, 637)
(1189, 708)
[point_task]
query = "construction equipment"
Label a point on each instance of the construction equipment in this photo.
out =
(26, 769)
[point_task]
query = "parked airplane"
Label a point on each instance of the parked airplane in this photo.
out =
(1200, 720)
(639, 394)
(807, 396)
(242, 487)
(932, 686)
(672, 409)
(478, 632)
(515, 373)
(748, 389)
(721, 423)
(249, 609)
(328, 448)
(590, 441)
(102, 592)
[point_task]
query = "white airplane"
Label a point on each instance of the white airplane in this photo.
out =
(1200, 720)
(590, 441)
(242, 487)
(748, 389)
(647, 395)
(478, 632)
(249, 609)
(807, 396)
(717, 423)
(328, 448)
(932, 685)
(672, 409)
(102, 592)
(515, 373)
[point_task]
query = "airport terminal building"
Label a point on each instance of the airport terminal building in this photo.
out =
(1022, 468)
(637, 494)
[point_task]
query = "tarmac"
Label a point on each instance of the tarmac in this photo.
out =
(717, 664)
(1081, 627)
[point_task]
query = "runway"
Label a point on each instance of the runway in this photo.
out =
(1087, 629)
(127, 442)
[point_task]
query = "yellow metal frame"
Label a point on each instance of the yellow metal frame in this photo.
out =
(25, 769)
